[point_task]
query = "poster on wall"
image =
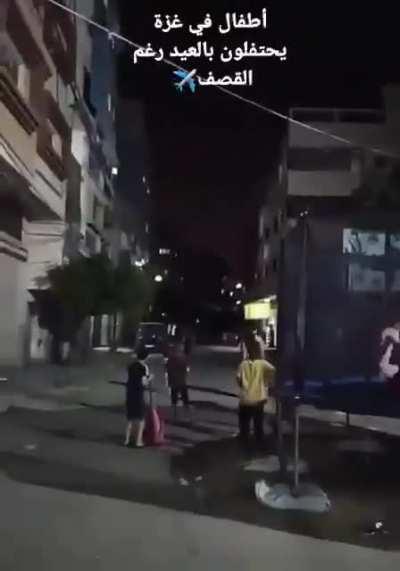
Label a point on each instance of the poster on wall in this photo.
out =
(351, 356)
(364, 243)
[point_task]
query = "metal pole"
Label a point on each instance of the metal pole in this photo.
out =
(280, 441)
(296, 449)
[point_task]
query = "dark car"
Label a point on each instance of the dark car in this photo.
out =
(152, 336)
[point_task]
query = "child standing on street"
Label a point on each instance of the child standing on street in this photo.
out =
(176, 375)
(254, 377)
(138, 378)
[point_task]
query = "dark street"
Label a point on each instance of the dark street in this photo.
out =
(200, 470)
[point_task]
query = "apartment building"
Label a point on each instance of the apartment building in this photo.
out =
(37, 62)
(57, 157)
(314, 167)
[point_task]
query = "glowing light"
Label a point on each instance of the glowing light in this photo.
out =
(239, 286)
(158, 279)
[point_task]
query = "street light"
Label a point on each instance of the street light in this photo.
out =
(239, 286)
(158, 279)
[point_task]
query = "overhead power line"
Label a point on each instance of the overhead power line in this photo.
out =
(115, 36)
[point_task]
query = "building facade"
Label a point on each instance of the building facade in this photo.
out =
(37, 63)
(57, 157)
(313, 166)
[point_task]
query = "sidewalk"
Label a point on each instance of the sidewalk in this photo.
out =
(51, 387)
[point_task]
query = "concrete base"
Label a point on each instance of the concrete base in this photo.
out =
(309, 497)
(270, 464)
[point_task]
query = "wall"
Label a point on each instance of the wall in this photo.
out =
(16, 145)
(325, 183)
(13, 312)
(363, 134)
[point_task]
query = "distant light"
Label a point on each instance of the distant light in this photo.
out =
(231, 294)
(163, 315)
(222, 291)
(197, 321)
(114, 171)
(164, 251)
(144, 180)
(140, 263)
(239, 286)
(148, 191)
(238, 302)
(158, 278)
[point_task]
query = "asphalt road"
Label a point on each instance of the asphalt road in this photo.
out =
(72, 496)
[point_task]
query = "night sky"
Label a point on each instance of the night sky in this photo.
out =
(207, 150)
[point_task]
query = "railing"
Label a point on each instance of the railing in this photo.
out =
(336, 115)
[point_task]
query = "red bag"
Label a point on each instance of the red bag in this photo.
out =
(154, 429)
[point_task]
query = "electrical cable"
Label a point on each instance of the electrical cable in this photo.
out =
(255, 104)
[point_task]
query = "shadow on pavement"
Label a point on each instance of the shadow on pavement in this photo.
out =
(360, 473)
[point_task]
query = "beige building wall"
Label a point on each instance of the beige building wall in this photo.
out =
(13, 312)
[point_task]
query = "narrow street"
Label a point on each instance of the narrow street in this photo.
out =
(71, 494)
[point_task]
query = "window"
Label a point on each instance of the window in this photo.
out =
(359, 116)
(109, 103)
(87, 90)
(319, 159)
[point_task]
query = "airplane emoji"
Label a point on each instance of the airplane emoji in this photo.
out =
(186, 78)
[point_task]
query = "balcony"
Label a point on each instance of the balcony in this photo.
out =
(48, 154)
(60, 38)
(14, 101)
(24, 30)
(55, 115)
(15, 189)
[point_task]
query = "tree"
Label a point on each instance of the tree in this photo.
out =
(85, 287)
(132, 292)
